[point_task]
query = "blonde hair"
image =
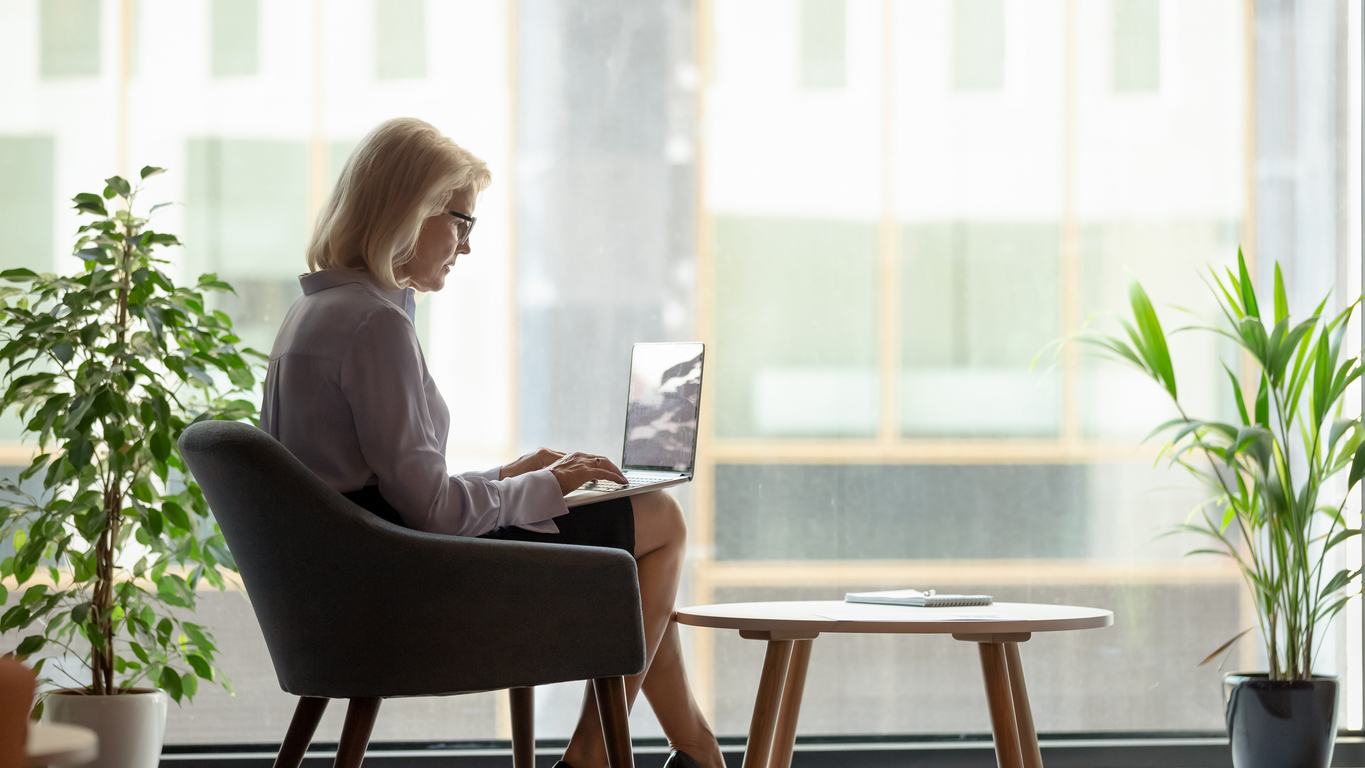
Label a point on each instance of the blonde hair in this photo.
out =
(398, 176)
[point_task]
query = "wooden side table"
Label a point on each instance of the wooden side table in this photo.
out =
(51, 744)
(791, 627)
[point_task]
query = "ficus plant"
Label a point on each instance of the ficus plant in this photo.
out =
(105, 368)
(1269, 472)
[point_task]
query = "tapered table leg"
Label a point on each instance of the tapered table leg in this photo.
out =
(1023, 712)
(769, 698)
(995, 672)
(784, 740)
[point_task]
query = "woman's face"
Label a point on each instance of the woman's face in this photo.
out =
(436, 249)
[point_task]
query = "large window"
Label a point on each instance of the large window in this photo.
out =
(877, 213)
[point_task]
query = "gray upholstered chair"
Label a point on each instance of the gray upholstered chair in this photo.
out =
(355, 608)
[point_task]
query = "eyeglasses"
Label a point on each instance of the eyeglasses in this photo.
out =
(463, 226)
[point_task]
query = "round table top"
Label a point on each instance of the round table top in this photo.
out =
(60, 744)
(839, 616)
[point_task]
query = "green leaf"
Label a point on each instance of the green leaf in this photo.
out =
(63, 352)
(189, 685)
(1248, 292)
(170, 683)
(201, 665)
(119, 185)
(1339, 428)
(140, 652)
(174, 591)
(79, 451)
(161, 446)
(16, 616)
(1281, 301)
(34, 594)
(152, 519)
(1322, 379)
(1263, 404)
(1158, 357)
(149, 171)
(1341, 579)
(30, 645)
(90, 203)
(175, 514)
(1237, 394)
(1342, 536)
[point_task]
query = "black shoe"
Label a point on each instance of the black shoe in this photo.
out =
(680, 759)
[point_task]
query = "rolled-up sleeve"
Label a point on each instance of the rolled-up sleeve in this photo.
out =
(382, 378)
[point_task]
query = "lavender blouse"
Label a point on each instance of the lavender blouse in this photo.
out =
(348, 392)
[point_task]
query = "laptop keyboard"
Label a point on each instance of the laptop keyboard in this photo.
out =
(605, 486)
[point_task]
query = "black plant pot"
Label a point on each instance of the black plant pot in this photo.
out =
(1279, 724)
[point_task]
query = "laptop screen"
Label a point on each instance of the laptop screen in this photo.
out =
(664, 400)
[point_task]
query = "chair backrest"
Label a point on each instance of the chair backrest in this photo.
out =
(351, 605)
(299, 544)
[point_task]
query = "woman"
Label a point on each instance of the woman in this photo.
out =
(348, 392)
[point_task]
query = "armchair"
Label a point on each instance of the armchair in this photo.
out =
(353, 607)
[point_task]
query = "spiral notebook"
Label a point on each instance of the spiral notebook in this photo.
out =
(915, 597)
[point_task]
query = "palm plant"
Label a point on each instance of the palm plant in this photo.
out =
(1268, 472)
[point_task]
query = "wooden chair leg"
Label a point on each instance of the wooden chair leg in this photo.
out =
(355, 734)
(998, 697)
(1023, 712)
(307, 714)
(611, 708)
(764, 721)
(523, 702)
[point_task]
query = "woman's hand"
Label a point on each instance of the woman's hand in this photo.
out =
(540, 458)
(575, 469)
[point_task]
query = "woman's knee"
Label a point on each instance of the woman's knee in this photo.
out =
(659, 520)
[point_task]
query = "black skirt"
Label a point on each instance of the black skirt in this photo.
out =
(608, 523)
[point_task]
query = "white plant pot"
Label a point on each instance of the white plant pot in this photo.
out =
(130, 726)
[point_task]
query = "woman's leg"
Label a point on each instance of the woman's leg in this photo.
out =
(660, 546)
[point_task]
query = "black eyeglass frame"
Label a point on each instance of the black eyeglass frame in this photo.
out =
(468, 232)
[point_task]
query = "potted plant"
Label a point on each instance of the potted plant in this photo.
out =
(106, 367)
(1272, 477)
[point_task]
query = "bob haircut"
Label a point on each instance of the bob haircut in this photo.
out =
(398, 176)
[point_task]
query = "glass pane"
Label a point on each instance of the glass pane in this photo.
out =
(978, 45)
(979, 302)
(248, 222)
(400, 37)
(822, 43)
(70, 38)
(27, 197)
(1137, 45)
(235, 29)
(797, 328)
(27, 208)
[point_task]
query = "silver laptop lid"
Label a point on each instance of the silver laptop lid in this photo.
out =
(663, 403)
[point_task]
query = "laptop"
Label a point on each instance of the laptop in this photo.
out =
(662, 405)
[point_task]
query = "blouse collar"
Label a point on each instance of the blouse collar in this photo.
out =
(403, 298)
